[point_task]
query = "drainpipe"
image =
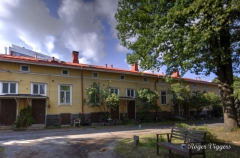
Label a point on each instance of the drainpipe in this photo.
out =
(155, 88)
(82, 95)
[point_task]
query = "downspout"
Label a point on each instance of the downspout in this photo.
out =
(82, 95)
(155, 88)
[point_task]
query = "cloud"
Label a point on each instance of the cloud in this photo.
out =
(83, 61)
(121, 48)
(27, 23)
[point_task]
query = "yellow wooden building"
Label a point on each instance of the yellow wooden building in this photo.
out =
(56, 89)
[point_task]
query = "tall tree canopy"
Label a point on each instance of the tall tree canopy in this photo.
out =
(200, 36)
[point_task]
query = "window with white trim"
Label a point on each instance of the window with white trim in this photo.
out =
(9, 87)
(65, 94)
(145, 79)
(95, 74)
(114, 90)
(65, 72)
(130, 93)
(24, 68)
(164, 97)
(163, 82)
(38, 88)
(122, 77)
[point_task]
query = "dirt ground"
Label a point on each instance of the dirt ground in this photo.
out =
(97, 142)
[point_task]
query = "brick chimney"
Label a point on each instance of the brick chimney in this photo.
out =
(175, 74)
(75, 57)
(135, 67)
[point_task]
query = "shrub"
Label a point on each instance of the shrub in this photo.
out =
(210, 137)
(25, 118)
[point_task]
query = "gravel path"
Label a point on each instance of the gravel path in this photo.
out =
(71, 142)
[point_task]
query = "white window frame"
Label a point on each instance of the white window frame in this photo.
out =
(144, 79)
(63, 73)
(59, 91)
(134, 93)
(1, 87)
(24, 70)
(114, 90)
(121, 77)
(95, 76)
(45, 88)
(161, 97)
(162, 82)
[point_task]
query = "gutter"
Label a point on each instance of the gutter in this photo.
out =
(82, 95)
(155, 83)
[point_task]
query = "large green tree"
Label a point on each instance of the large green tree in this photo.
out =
(200, 36)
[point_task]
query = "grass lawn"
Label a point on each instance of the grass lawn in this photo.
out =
(1, 149)
(147, 146)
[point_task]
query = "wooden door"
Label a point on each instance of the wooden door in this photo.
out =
(8, 109)
(39, 107)
(115, 113)
(131, 109)
(65, 119)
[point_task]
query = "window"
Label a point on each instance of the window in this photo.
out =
(95, 74)
(24, 68)
(130, 93)
(9, 88)
(163, 97)
(162, 81)
(194, 85)
(114, 90)
(65, 72)
(65, 94)
(38, 88)
(145, 79)
(96, 95)
(122, 77)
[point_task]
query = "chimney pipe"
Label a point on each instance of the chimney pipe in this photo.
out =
(111, 66)
(52, 58)
(135, 67)
(5, 50)
(75, 57)
(106, 65)
(176, 74)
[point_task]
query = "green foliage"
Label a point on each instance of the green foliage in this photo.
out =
(101, 97)
(1, 149)
(25, 118)
(197, 36)
(196, 100)
(210, 137)
(146, 101)
(127, 121)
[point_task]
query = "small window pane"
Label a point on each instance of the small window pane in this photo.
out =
(67, 97)
(5, 88)
(12, 87)
(116, 91)
(66, 88)
(128, 93)
(65, 72)
(122, 77)
(25, 68)
(112, 90)
(95, 74)
(42, 89)
(35, 89)
(62, 98)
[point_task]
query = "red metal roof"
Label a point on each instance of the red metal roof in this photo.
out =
(29, 60)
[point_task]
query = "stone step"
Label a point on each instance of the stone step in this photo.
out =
(5, 128)
(36, 126)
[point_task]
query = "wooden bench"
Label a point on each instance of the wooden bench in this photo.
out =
(188, 137)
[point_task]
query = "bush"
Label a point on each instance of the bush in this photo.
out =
(210, 137)
(25, 118)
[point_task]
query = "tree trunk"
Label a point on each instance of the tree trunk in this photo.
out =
(225, 77)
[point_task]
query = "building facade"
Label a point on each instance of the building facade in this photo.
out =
(56, 89)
